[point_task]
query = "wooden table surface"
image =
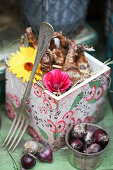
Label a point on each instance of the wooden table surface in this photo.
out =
(60, 157)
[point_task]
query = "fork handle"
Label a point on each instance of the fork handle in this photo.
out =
(45, 34)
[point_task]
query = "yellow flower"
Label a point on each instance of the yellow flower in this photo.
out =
(22, 62)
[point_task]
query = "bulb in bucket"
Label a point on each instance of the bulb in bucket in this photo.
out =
(86, 145)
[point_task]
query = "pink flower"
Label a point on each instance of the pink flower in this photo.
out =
(56, 80)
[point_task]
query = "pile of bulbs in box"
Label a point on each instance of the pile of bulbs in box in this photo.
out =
(63, 59)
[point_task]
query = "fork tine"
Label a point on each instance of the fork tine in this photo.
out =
(14, 121)
(16, 126)
(17, 134)
(25, 127)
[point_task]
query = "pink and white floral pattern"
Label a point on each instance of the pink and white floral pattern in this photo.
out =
(9, 111)
(68, 115)
(38, 92)
(60, 126)
(69, 124)
(10, 97)
(78, 121)
(16, 101)
(87, 119)
(91, 94)
(99, 92)
(44, 110)
(34, 86)
(47, 103)
(52, 126)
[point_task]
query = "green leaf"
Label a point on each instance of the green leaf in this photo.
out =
(96, 83)
(43, 133)
(55, 135)
(15, 166)
(92, 101)
(76, 101)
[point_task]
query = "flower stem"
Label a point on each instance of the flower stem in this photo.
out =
(15, 166)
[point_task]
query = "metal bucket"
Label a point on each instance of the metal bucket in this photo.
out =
(81, 160)
(64, 15)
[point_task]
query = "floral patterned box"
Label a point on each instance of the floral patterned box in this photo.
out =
(51, 116)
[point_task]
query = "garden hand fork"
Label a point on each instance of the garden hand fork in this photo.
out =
(21, 120)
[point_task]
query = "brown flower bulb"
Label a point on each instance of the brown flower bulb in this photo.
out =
(60, 42)
(71, 53)
(31, 37)
(63, 40)
(58, 57)
(46, 64)
(73, 72)
(50, 54)
(81, 61)
(69, 66)
(52, 44)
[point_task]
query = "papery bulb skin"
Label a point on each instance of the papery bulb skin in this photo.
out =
(31, 146)
(88, 139)
(78, 131)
